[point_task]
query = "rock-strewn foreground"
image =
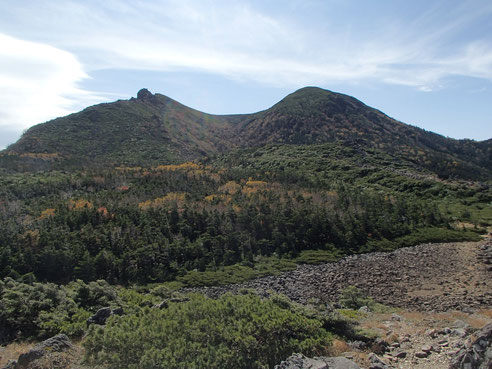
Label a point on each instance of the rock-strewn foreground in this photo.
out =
(444, 292)
(429, 277)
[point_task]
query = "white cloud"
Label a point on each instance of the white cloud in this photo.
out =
(239, 41)
(38, 82)
(229, 38)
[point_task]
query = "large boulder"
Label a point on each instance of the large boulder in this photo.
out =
(299, 361)
(478, 355)
(103, 314)
(44, 350)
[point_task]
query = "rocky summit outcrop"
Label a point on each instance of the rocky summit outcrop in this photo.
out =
(299, 361)
(477, 354)
(51, 351)
(144, 94)
(429, 277)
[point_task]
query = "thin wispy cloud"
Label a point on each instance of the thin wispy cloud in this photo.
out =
(235, 39)
(232, 38)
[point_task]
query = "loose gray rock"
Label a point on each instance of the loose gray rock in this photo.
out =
(460, 332)
(380, 346)
(396, 317)
(389, 278)
(299, 361)
(340, 363)
(377, 362)
(165, 303)
(432, 333)
(426, 348)
(358, 345)
(162, 305)
(460, 324)
(446, 330)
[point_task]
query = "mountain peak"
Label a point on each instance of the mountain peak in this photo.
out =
(153, 128)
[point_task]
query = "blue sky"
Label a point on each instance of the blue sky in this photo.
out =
(426, 63)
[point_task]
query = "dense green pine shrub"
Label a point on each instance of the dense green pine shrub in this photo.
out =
(230, 332)
(40, 310)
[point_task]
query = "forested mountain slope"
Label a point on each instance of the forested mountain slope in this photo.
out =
(119, 206)
(313, 115)
(143, 130)
(154, 129)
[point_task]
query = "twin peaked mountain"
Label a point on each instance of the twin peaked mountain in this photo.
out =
(153, 128)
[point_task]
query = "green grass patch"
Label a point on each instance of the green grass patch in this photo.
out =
(425, 235)
(317, 257)
(236, 273)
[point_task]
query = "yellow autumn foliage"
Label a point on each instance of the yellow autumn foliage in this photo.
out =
(253, 183)
(40, 155)
(221, 197)
(230, 187)
(170, 198)
(174, 167)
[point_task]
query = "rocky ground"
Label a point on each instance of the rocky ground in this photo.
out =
(419, 340)
(430, 277)
(442, 294)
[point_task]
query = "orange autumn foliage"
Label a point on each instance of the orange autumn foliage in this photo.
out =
(80, 204)
(47, 213)
(103, 211)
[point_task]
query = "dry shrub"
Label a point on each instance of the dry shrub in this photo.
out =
(12, 351)
(412, 315)
(338, 347)
(55, 360)
(392, 338)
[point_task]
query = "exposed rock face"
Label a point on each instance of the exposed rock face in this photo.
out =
(48, 349)
(299, 361)
(479, 353)
(103, 314)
